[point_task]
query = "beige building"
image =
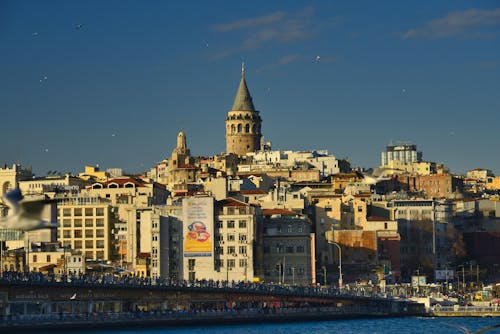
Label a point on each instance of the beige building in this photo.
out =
(128, 190)
(413, 168)
(9, 177)
(86, 224)
(50, 185)
(93, 172)
(50, 258)
(235, 235)
(493, 183)
(243, 123)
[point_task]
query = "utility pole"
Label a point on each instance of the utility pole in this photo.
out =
(340, 261)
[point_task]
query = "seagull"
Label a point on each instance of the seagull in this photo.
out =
(479, 331)
(26, 214)
(79, 26)
(375, 177)
(318, 58)
(73, 297)
(34, 34)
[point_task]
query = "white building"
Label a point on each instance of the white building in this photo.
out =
(406, 153)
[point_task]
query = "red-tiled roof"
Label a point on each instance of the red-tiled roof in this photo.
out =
(253, 192)
(123, 181)
(283, 212)
(231, 202)
(376, 219)
(188, 167)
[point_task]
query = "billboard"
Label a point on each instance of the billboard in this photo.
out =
(198, 226)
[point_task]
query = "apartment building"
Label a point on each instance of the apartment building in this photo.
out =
(86, 224)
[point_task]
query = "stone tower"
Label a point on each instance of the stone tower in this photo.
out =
(243, 122)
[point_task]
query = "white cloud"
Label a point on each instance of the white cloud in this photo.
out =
(466, 23)
(279, 27)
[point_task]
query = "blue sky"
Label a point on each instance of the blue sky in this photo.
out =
(113, 82)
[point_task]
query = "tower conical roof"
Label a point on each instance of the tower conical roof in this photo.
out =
(243, 100)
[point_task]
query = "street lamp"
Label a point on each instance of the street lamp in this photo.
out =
(340, 261)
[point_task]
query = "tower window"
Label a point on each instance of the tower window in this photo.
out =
(247, 128)
(239, 128)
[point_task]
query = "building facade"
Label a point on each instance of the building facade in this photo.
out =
(405, 153)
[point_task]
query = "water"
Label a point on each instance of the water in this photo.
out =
(440, 325)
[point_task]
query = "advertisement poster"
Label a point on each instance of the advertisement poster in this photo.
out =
(198, 226)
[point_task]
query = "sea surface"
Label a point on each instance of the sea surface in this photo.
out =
(441, 325)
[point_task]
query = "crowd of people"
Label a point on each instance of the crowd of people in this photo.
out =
(9, 277)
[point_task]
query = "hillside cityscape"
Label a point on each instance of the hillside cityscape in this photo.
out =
(260, 214)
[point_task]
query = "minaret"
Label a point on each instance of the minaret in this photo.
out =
(243, 122)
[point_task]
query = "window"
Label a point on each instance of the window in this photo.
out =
(89, 254)
(77, 222)
(99, 233)
(219, 263)
(243, 263)
(77, 233)
(242, 224)
(219, 250)
(99, 212)
(231, 250)
(220, 224)
(219, 237)
(77, 211)
(89, 222)
(192, 275)
(89, 211)
(66, 222)
(99, 222)
(230, 224)
(289, 229)
(89, 233)
(78, 244)
(230, 237)
(191, 264)
(231, 263)
(242, 238)
(89, 244)
(289, 249)
(100, 255)
(243, 249)
(300, 249)
(35, 258)
(99, 244)
(67, 212)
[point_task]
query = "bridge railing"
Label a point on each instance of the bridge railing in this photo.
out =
(109, 317)
(205, 285)
(466, 309)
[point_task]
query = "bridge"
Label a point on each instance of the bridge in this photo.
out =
(39, 300)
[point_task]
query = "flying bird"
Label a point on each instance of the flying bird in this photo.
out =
(479, 331)
(378, 175)
(318, 58)
(73, 297)
(79, 26)
(26, 214)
